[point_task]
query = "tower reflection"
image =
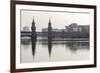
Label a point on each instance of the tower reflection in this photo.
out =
(33, 45)
(49, 45)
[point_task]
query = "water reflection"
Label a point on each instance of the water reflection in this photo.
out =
(33, 39)
(25, 41)
(76, 45)
(73, 45)
(67, 50)
(49, 45)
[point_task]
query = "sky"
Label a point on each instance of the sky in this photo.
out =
(58, 19)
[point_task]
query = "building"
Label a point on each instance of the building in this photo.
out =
(26, 28)
(53, 30)
(72, 31)
(77, 28)
(71, 28)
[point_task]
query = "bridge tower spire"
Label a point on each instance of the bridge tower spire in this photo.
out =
(49, 26)
(33, 28)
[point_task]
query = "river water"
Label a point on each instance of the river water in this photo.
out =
(52, 51)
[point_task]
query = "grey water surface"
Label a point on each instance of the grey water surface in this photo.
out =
(59, 49)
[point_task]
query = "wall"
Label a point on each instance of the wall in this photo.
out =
(5, 36)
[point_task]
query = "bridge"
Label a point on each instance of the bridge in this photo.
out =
(28, 33)
(23, 33)
(57, 34)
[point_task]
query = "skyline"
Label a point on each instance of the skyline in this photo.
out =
(58, 19)
(26, 28)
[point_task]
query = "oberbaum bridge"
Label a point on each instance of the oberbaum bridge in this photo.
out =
(50, 34)
(34, 34)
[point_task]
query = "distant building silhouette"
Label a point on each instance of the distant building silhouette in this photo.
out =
(26, 28)
(72, 31)
(77, 28)
(71, 28)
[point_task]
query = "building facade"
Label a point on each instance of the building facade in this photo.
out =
(72, 31)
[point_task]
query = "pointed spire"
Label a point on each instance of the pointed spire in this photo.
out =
(49, 21)
(33, 21)
(33, 25)
(49, 24)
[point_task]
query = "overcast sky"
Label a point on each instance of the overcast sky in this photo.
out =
(58, 19)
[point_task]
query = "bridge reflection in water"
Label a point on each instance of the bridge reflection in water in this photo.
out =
(49, 50)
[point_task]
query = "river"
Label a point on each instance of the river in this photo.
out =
(52, 51)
